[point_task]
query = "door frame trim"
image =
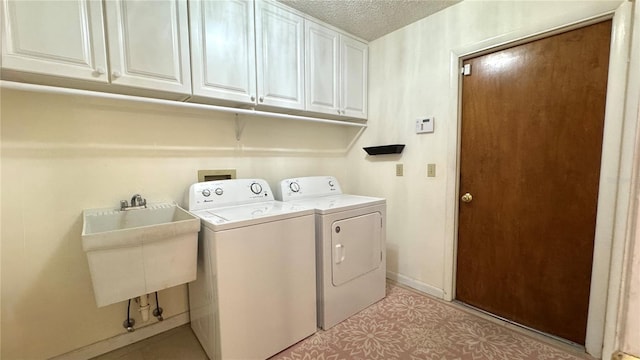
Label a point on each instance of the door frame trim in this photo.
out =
(616, 165)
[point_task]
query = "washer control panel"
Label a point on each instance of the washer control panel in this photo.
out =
(220, 193)
(305, 187)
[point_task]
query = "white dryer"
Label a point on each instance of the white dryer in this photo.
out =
(255, 292)
(350, 245)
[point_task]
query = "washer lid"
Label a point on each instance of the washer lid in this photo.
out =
(231, 217)
(343, 202)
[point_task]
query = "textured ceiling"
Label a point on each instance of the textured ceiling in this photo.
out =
(369, 19)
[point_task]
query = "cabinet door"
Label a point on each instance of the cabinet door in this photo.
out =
(322, 69)
(149, 44)
(354, 57)
(280, 51)
(60, 38)
(223, 50)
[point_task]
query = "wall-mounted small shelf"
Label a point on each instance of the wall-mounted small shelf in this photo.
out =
(384, 149)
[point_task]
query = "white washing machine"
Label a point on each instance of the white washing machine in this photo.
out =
(255, 292)
(350, 245)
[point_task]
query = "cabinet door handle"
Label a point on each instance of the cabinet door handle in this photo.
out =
(261, 99)
(116, 74)
(253, 98)
(98, 71)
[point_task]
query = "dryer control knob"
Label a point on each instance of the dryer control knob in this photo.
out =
(218, 191)
(256, 188)
(331, 183)
(206, 192)
(294, 186)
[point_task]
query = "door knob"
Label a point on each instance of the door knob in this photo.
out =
(466, 198)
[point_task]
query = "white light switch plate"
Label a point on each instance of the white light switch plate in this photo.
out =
(424, 125)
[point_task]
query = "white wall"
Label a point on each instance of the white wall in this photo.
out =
(62, 154)
(411, 75)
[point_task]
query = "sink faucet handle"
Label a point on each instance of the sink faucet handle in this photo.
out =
(123, 205)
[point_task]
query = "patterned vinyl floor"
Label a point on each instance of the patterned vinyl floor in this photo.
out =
(411, 326)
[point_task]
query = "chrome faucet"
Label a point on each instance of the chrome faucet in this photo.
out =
(137, 202)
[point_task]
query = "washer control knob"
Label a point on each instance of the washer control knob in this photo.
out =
(331, 183)
(256, 188)
(218, 191)
(294, 186)
(206, 192)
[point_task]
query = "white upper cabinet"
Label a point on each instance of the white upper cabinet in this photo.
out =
(149, 44)
(280, 54)
(59, 38)
(232, 52)
(223, 50)
(322, 69)
(354, 57)
(336, 72)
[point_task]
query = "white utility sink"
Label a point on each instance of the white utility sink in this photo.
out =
(136, 252)
(111, 227)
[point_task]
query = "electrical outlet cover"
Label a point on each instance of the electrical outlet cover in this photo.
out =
(431, 170)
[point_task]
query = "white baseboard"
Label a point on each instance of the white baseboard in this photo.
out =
(124, 339)
(415, 284)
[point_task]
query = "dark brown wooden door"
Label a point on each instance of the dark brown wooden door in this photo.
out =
(531, 143)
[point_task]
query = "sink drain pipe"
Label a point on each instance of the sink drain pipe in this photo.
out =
(143, 301)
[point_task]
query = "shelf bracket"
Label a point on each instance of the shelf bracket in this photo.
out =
(240, 123)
